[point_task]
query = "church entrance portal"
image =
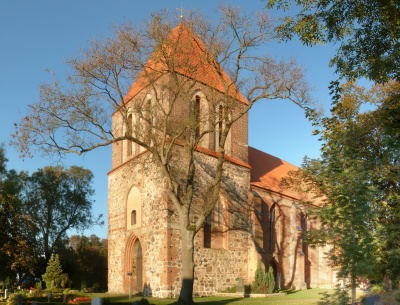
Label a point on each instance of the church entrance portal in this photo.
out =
(137, 265)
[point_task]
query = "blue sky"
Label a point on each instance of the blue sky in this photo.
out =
(40, 34)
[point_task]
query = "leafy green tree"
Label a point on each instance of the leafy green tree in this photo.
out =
(358, 180)
(90, 261)
(367, 31)
(56, 200)
(18, 254)
(53, 271)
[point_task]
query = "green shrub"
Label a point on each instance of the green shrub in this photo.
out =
(7, 283)
(54, 290)
(63, 281)
(13, 299)
(53, 272)
(230, 289)
(260, 283)
(83, 285)
(377, 288)
(270, 280)
(144, 302)
(96, 287)
(339, 297)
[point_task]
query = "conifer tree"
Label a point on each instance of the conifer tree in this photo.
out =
(270, 280)
(53, 271)
(260, 282)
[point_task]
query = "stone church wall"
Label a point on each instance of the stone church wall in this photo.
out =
(299, 266)
(216, 268)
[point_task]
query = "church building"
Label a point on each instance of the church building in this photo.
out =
(256, 219)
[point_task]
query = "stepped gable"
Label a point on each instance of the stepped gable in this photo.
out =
(267, 172)
(184, 53)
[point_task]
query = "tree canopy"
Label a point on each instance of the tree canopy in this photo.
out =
(18, 253)
(56, 200)
(358, 179)
(367, 31)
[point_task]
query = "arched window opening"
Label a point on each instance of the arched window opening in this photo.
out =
(133, 217)
(207, 232)
(133, 209)
(272, 223)
(304, 228)
(147, 124)
(221, 116)
(200, 120)
(197, 115)
(130, 128)
(220, 113)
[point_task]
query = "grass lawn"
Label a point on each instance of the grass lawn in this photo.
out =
(293, 297)
(301, 297)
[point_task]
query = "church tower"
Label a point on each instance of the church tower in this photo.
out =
(180, 85)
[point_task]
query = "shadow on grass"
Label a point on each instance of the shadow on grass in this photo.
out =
(289, 291)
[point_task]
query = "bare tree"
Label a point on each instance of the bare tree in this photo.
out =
(168, 58)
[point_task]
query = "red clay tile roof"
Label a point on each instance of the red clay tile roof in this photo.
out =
(267, 172)
(183, 52)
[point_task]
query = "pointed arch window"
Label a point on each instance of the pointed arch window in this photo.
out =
(133, 209)
(129, 143)
(272, 224)
(304, 228)
(219, 126)
(221, 114)
(147, 124)
(197, 115)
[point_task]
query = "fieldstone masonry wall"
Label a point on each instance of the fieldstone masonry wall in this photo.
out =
(159, 233)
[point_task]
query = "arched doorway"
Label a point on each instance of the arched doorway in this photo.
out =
(134, 270)
(137, 266)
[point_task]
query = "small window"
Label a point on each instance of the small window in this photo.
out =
(272, 220)
(133, 217)
(130, 128)
(207, 232)
(218, 130)
(197, 113)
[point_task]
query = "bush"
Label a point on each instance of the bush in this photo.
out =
(83, 285)
(230, 289)
(270, 280)
(63, 281)
(339, 297)
(13, 299)
(377, 288)
(53, 272)
(144, 302)
(260, 283)
(96, 287)
(7, 283)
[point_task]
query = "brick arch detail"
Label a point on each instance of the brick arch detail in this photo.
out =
(130, 243)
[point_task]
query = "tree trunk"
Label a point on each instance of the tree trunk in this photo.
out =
(353, 290)
(186, 294)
